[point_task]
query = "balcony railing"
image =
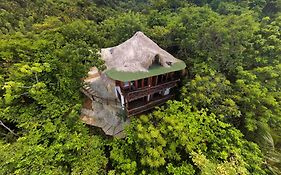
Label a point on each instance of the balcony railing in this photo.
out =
(149, 105)
(136, 94)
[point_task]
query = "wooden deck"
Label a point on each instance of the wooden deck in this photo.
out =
(141, 106)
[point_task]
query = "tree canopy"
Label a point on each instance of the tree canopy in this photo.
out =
(225, 120)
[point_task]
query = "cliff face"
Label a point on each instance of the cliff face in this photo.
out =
(101, 108)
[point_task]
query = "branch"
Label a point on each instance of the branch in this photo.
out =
(36, 77)
(1, 123)
(26, 87)
(3, 134)
(25, 93)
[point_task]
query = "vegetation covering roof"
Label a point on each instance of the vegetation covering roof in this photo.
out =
(153, 70)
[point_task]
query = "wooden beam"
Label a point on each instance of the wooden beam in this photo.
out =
(150, 81)
(172, 75)
(153, 81)
(129, 85)
(184, 72)
(126, 103)
(136, 84)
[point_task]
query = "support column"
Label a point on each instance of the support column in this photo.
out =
(130, 87)
(156, 81)
(122, 102)
(136, 84)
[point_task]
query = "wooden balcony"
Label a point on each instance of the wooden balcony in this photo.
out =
(141, 107)
(139, 93)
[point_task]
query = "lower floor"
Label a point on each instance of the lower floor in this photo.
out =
(146, 103)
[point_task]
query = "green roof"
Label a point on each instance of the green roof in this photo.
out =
(154, 70)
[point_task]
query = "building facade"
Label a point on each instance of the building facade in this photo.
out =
(140, 95)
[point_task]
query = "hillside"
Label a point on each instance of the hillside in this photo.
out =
(226, 118)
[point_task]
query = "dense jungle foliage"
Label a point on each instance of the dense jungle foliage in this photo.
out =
(226, 119)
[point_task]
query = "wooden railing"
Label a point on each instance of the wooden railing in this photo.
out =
(136, 94)
(149, 105)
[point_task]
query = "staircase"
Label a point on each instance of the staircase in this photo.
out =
(110, 125)
(89, 92)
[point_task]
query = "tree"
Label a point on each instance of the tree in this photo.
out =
(178, 139)
(40, 101)
(211, 90)
(265, 47)
(118, 29)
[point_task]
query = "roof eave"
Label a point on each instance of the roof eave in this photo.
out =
(132, 76)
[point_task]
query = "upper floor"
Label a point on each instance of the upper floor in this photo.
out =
(141, 95)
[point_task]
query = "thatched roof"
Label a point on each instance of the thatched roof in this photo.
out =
(137, 58)
(136, 54)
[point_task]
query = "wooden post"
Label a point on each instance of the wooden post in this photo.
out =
(149, 85)
(126, 103)
(129, 85)
(153, 81)
(156, 81)
(149, 81)
(184, 72)
(172, 75)
(142, 83)
(136, 84)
